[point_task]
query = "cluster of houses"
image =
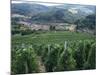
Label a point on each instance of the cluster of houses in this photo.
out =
(46, 26)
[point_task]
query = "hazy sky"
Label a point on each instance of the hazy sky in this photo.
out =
(89, 2)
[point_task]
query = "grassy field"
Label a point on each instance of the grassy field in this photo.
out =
(50, 37)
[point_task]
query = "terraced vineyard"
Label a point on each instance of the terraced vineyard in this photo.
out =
(51, 37)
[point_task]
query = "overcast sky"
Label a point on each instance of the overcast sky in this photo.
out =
(89, 2)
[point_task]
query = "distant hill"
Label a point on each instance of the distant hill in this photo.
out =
(62, 13)
(27, 9)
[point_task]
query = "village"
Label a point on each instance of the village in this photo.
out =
(50, 26)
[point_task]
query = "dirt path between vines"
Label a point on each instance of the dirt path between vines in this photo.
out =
(41, 65)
